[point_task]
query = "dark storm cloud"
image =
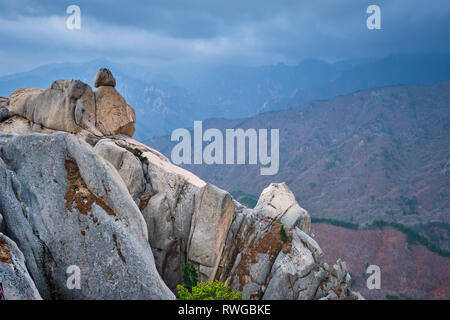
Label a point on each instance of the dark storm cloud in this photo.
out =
(240, 32)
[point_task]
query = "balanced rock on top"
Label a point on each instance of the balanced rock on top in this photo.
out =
(105, 78)
(69, 106)
(114, 115)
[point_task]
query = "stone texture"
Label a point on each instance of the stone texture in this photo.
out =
(212, 218)
(4, 112)
(18, 124)
(126, 163)
(262, 265)
(256, 234)
(83, 216)
(71, 106)
(2, 224)
(104, 77)
(336, 284)
(183, 219)
(4, 102)
(17, 283)
(277, 202)
(67, 105)
(185, 216)
(166, 246)
(168, 205)
(296, 274)
(114, 114)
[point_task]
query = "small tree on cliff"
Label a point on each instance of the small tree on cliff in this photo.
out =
(190, 275)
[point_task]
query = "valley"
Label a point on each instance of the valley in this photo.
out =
(378, 154)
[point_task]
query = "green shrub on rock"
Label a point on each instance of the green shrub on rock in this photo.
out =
(213, 290)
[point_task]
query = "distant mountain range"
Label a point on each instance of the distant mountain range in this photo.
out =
(377, 154)
(164, 102)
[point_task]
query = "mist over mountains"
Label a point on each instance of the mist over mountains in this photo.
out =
(169, 99)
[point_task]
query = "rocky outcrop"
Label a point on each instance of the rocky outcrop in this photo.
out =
(67, 105)
(129, 219)
(64, 205)
(270, 255)
(187, 218)
(211, 220)
(278, 203)
(70, 106)
(114, 114)
(17, 283)
(128, 166)
(17, 124)
(300, 273)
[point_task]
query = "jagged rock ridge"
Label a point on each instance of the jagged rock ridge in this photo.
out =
(76, 189)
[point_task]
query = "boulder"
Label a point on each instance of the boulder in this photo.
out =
(296, 274)
(170, 206)
(252, 246)
(212, 218)
(71, 106)
(172, 197)
(14, 277)
(114, 114)
(104, 77)
(126, 163)
(186, 217)
(255, 239)
(84, 217)
(337, 284)
(264, 262)
(166, 245)
(277, 202)
(67, 105)
(18, 124)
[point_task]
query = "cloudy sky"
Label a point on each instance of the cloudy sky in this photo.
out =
(244, 32)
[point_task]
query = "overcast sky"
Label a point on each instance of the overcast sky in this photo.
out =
(244, 32)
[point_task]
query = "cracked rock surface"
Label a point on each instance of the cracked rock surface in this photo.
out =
(64, 205)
